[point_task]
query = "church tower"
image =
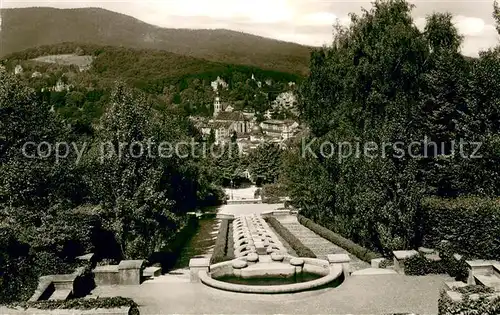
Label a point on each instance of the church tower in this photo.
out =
(217, 106)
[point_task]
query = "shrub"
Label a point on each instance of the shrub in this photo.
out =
(470, 224)
(294, 242)
(386, 263)
(353, 248)
(82, 304)
(474, 289)
(484, 304)
(275, 191)
(271, 200)
(455, 268)
(419, 265)
(221, 243)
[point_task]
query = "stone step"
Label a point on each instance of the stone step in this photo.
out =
(496, 269)
(373, 271)
(152, 272)
(454, 284)
(60, 295)
(491, 281)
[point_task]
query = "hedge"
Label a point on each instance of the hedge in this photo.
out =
(273, 191)
(294, 242)
(221, 247)
(455, 268)
(418, 265)
(353, 248)
(82, 304)
(470, 224)
(483, 305)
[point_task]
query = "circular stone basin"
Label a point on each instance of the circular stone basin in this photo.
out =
(274, 276)
(274, 281)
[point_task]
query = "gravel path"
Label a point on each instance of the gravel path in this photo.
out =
(320, 246)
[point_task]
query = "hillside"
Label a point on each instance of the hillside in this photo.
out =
(76, 79)
(148, 69)
(48, 26)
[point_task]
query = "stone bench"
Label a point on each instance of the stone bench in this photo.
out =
(478, 268)
(128, 272)
(400, 256)
(56, 287)
(152, 272)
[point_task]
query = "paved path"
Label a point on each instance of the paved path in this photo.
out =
(380, 294)
(320, 246)
(247, 209)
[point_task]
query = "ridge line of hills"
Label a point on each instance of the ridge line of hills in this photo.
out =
(48, 26)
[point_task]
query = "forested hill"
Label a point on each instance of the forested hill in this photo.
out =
(30, 27)
(88, 72)
(147, 69)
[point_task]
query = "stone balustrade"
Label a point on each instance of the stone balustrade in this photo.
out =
(128, 272)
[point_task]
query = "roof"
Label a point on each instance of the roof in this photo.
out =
(231, 116)
(220, 124)
(278, 122)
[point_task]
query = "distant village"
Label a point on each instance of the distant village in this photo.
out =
(229, 125)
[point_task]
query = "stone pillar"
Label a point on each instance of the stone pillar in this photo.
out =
(130, 272)
(342, 259)
(399, 258)
(238, 264)
(196, 265)
(299, 265)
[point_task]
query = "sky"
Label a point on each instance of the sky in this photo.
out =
(307, 22)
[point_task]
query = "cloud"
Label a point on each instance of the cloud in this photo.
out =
(469, 26)
(257, 11)
(318, 18)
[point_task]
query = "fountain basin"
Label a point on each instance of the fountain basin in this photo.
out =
(271, 277)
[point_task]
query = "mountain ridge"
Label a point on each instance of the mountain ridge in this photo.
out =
(101, 26)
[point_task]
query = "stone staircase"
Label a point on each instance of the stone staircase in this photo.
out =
(489, 277)
(319, 246)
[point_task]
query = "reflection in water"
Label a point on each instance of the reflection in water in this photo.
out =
(304, 277)
(202, 242)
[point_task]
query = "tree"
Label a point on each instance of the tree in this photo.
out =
(496, 15)
(265, 162)
(127, 180)
(211, 137)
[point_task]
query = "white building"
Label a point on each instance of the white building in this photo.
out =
(36, 74)
(285, 100)
(279, 129)
(218, 82)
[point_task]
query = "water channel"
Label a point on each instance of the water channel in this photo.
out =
(201, 244)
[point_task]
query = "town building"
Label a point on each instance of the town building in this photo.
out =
(218, 82)
(279, 129)
(285, 100)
